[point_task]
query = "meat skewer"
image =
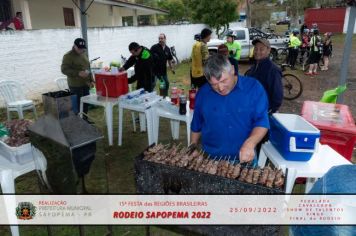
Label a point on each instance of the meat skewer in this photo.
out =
(243, 175)
(214, 167)
(225, 167)
(256, 174)
(236, 171)
(200, 160)
(279, 180)
(270, 179)
(231, 168)
(264, 176)
(203, 164)
(249, 176)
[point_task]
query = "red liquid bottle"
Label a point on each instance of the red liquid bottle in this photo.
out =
(174, 94)
(192, 93)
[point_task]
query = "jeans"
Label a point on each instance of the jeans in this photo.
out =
(341, 180)
(80, 92)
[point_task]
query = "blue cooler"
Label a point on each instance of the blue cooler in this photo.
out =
(294, 137)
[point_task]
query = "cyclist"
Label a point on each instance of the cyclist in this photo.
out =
(315, 53)
(327, 50)
(305, 45)
(294, 44)
(233, 46)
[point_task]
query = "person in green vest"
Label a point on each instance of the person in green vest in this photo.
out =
(233, 46)
(294, 44)
(141, 58)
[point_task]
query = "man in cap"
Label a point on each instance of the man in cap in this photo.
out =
(267, 73)
(76, 66)
(142, 59)
(200, 54)
(230, 113)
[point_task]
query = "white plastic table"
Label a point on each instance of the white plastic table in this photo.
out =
(167, 110)
(9, 171)
(145, 109)
(316, 167)
(108, 103)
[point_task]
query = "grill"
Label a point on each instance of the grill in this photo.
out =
(67, 141)
(156, 178)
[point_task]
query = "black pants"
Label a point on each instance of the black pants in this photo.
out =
(293, 56)
(80, 92)
(197, 82)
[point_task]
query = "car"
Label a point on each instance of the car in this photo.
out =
(245, 36)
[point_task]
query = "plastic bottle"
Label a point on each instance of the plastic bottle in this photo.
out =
(162, 88)
(192, 93)
(182, 104)
(174, 94)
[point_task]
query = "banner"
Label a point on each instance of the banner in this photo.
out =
(178, 209)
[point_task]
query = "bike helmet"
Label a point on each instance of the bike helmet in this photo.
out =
(230, 33)
(295, 31)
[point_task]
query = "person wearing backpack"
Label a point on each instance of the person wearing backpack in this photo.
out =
(315, 53)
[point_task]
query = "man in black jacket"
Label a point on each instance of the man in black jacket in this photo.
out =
(141, 58)
(161, 55)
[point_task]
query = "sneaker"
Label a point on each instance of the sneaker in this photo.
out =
(308, 73)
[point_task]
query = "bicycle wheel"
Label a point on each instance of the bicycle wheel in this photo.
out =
(292, 87)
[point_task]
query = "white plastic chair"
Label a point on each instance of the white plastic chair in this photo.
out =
(62, 83)
(14, 98)
(9, 171)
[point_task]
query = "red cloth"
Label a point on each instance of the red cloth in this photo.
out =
(18, 24)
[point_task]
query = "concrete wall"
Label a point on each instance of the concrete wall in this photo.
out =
(34, 57)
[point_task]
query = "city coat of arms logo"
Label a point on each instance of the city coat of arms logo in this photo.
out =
(25, 211)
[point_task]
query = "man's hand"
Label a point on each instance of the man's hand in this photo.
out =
(83, 73)
(247, 152)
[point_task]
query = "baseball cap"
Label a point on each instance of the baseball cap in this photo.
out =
(261, 40)
(80, 43)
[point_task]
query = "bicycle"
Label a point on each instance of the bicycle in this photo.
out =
(174, 55)
(282, 54)
(292, 86)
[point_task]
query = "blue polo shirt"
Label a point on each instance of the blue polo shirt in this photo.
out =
(225, 122)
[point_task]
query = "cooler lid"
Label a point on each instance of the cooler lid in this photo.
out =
(329, 116)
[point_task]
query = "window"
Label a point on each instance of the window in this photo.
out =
(127, 20)
(5, 10)
(68, 16)
(240, 34)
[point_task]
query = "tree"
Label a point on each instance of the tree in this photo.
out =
(215, 13)
(176, 8)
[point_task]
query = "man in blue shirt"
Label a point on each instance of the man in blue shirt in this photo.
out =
(230, 113)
